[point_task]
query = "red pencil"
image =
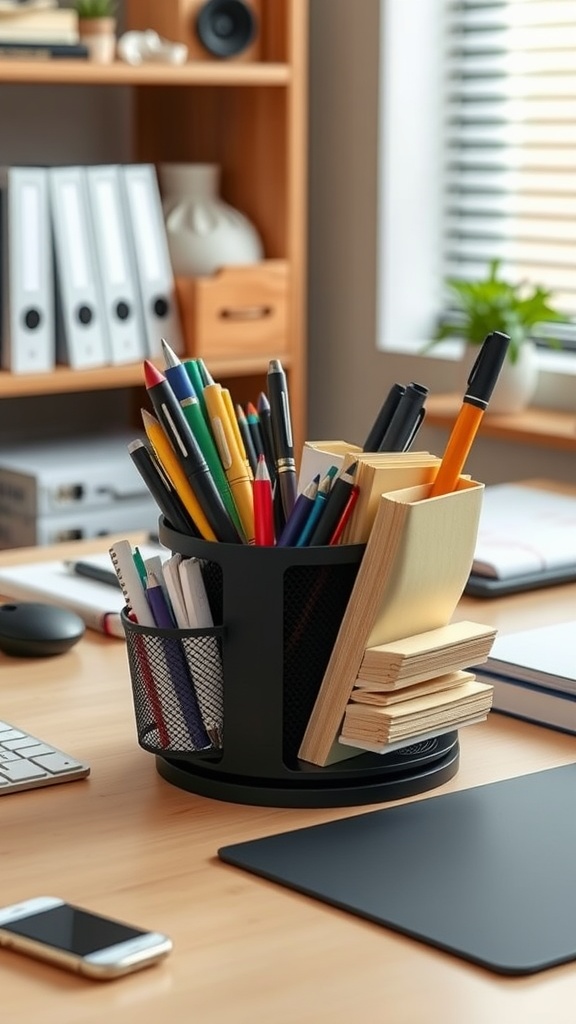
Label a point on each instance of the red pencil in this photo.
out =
(346, 513)
(263, 505)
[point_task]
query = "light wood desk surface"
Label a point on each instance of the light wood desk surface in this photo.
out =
(246, 951)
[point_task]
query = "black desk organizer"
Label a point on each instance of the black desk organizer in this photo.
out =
(280, 609)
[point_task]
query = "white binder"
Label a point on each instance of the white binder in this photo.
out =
(27, 272)
(82, 335)
(156, 279)
(119, 283)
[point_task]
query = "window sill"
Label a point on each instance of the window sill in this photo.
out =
(549, 360)
(545, 428)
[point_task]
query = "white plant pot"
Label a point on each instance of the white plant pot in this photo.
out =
(516, 384)
(204, 232)
(99, 35)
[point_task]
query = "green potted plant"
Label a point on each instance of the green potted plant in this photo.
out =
(494, 304)
(97, 28)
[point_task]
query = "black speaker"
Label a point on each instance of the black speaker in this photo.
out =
(226, 27)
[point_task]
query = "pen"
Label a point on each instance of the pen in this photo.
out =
(231, 458)
(94, 572)
(175, 373)
(299, 514)
(382, 421)
(199, 427)
(334, 507)
(161, 488)
(263, 508)
(481, 383)
(227, 399)
(167, 459)
(265, 424)
(282, 434)
(406, 420)
(159, 606)
(188, 453)
(191, 367)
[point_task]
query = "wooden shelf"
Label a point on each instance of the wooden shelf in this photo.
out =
(64, 380)
(85, 72)
(545, 428)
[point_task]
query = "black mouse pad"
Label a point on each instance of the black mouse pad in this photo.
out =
(487, 874)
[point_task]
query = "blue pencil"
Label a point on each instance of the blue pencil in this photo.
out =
(318, 507)
(299, 515)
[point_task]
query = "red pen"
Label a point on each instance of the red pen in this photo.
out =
(346, 513)
(263, 505)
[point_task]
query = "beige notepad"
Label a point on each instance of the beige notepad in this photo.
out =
(433, 653)
(410, 718)
(414, 570)
(385, 698)
(378, 473)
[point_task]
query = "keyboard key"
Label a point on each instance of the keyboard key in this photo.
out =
(56, 763)
(19, 771)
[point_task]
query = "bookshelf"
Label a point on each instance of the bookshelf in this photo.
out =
(249, 117)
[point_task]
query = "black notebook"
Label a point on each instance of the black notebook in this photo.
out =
(486, 874)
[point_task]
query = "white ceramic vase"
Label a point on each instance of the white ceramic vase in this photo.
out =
(204, 232)
(517, 382)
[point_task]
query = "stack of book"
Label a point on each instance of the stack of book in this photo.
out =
(418, 687)
(533, 673)
(39, 29)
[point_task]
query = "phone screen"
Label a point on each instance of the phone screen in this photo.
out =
(76, 931)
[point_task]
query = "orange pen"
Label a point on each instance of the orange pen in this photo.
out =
(481, 383)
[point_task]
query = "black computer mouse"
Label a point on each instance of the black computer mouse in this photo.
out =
(33, 630)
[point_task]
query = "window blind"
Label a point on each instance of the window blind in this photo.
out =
(509, 180)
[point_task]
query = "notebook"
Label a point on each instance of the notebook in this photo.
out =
(485, 874)
(98, 604)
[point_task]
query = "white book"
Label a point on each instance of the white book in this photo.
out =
(152, 257)
(524, 530)
(117, 268)
(28, 335)
(82, 337)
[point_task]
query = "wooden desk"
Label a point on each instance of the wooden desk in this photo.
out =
(246, 951)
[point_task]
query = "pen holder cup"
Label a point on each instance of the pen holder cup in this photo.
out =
(278, 612)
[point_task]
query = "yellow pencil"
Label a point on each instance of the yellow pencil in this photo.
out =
(231, 457)
(174, 471)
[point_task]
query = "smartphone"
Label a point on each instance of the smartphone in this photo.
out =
(50, 929)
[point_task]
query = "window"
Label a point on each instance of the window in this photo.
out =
(478, 141)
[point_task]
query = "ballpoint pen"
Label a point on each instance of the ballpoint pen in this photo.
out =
(161, 488)
(167, 459)
(481, 383)
(282, 434)
(264, 418)
(175, 373)
(406, 419)
(231, 458)
(197, 382)
(201, 430)
(94, 572)
(188, 453)
(380, 425)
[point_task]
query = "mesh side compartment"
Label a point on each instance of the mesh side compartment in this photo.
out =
(177, 688)
(315, 600)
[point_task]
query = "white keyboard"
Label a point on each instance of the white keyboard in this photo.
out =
(29, 763)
